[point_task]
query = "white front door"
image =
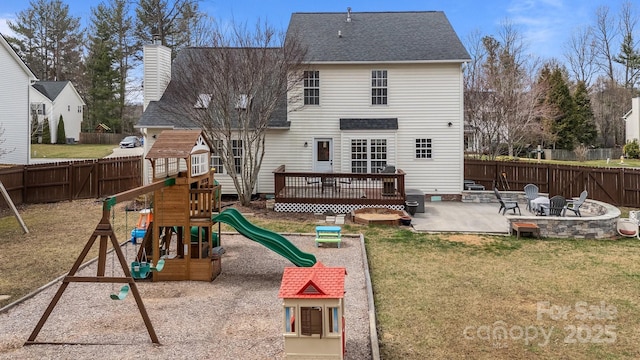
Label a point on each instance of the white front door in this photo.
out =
(323, 155)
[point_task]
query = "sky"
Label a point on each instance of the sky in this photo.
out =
(546, 25)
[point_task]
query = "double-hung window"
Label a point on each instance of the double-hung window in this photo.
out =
(216, 155)
(379, 87)
(311, 87)
(423, 148)
(236, 148)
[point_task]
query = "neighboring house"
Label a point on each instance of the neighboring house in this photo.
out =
(50, 99)
(383, 88)
(632, 121)
(14, 106)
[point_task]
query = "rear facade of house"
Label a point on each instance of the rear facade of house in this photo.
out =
(381, 88)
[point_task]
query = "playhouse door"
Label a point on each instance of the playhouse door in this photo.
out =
(323, 155)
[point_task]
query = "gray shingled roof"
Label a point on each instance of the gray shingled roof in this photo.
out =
(369, 124)
(50, 89)
(163, 114)
(378, 36)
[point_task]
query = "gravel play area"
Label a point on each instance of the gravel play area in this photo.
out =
(237, 316)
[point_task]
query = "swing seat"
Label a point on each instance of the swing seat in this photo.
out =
(158, 266)
(123, 293)
(140, 270)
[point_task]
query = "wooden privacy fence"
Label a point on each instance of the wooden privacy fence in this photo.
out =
(616, 186)
(71, 180)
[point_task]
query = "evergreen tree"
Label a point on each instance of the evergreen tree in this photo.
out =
(61, 136)
(559, 106)
(169, 21)
(46, 133)
(585, 126)
(124, 53)
(102, 100)
(49, 40)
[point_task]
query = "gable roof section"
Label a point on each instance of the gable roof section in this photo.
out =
(17, 58)
(163, 114)
(316, 282)
(175, 144)
(420, 36)
(50, 89)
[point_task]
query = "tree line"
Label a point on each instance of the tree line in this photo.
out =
(99, 59)
(515, 101)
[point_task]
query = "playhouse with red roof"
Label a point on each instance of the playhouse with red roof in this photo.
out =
(313, 302)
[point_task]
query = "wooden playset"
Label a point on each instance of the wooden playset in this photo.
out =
(180, 171)
(178, 231)
(182, 231)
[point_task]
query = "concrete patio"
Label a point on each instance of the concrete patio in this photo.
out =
(456, 216)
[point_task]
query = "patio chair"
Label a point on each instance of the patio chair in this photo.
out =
(531, 193)
(556, 206)
(506, 204)
(575, 205)
(628, 227)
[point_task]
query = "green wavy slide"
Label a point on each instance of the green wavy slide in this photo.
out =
(271, 240)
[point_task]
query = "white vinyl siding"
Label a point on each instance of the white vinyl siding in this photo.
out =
(423, 97)
(15, 108)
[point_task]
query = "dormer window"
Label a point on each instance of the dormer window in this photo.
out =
(203, 101)
(242, 102)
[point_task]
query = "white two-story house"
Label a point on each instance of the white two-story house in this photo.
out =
(14, 106)
(382, 88)
(51, 99)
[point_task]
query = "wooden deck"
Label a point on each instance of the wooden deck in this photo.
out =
(339, 188)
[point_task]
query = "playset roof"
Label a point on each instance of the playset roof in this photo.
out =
(175, 144)
(313, 283)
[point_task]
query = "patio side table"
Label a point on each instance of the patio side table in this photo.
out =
(519, 227)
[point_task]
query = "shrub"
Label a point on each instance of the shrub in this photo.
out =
(61, 136)
(632, 149)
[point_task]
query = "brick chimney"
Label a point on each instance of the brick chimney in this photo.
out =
(157, 71)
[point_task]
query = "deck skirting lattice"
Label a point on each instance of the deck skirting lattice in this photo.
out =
(321, 208)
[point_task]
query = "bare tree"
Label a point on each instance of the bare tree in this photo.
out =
(235, 91)
(629, 56)
(501, 92)
(605, 33)
(580, 54)
(3, 150)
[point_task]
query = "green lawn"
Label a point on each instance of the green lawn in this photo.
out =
(614, 163)
(75, 151)
(437, 296)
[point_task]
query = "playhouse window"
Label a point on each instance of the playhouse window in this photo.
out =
(199, 164)
(334, 323)
(290, 319)
(311, 321)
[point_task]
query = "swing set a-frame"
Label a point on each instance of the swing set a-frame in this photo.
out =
(105, 232)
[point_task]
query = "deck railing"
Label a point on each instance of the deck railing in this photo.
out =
(339, 188)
